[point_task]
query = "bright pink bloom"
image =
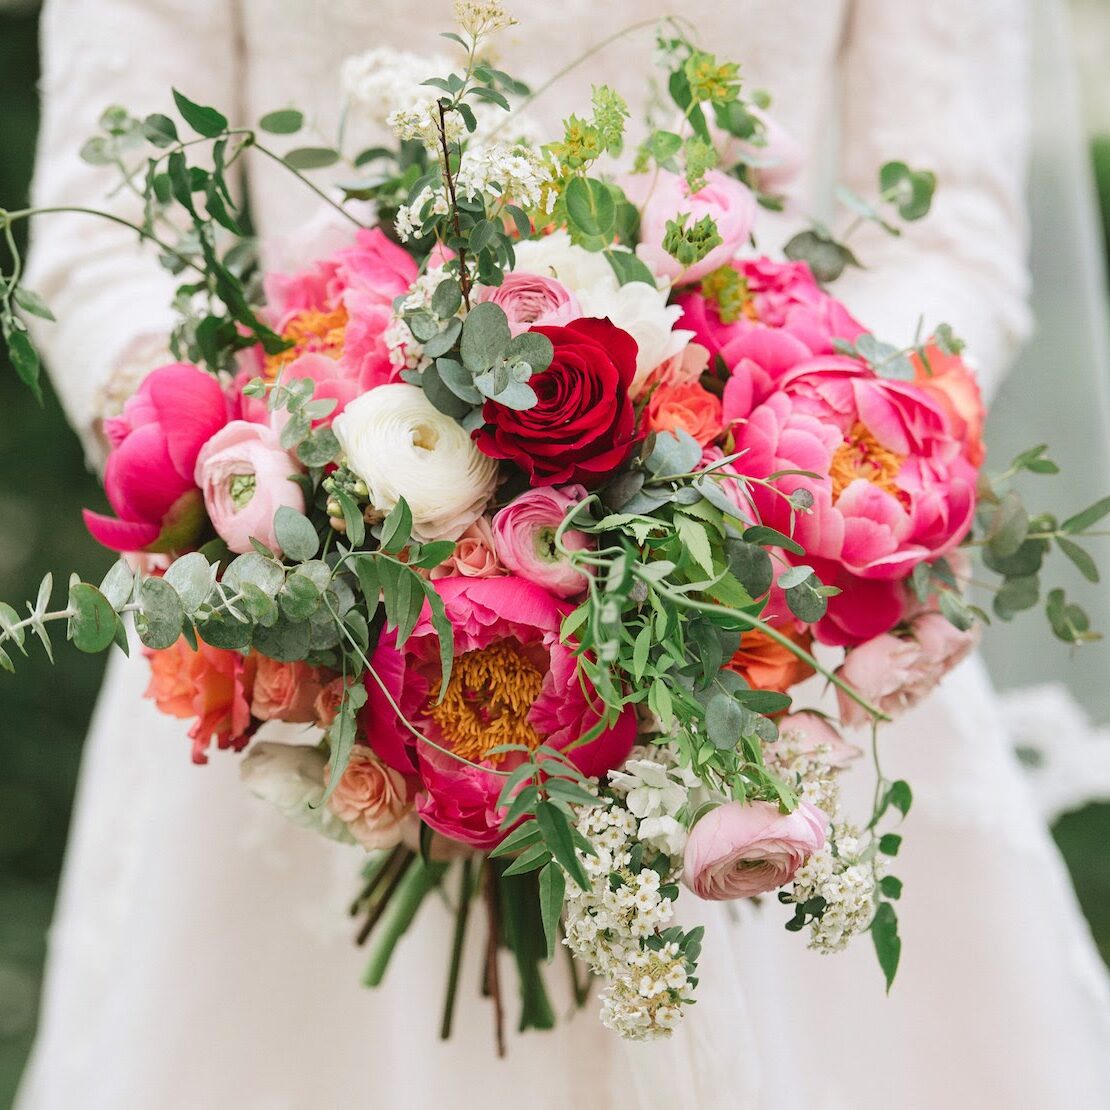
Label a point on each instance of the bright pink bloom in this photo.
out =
(531, 299)
(507, 653)
(741, 850)
(149, 476)
(665, 196)
(474, 555)
(896, 488)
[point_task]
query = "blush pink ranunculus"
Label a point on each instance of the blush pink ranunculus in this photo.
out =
(665, 196)
(475, 555)
(524, 538)
(513, 681)
(894, 673)
(896, 488)
(780, 296)
(688, 407)
(371, 799)
(285, 691)
(532, 299)
(245, 476)
(149, 477)
(740, 850)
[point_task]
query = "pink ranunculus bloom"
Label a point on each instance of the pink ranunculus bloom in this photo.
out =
(524, 538)
(689, 407)
(665, 196)
(740, 850)
(896, 488)
(245, 476)
(894, 673)
(371, 799)
(285, 691)
(475, 555)
(149, 476)
(783, 297)
(513, 681)
(531, 299)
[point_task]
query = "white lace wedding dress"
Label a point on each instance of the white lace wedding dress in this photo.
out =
(201, 957)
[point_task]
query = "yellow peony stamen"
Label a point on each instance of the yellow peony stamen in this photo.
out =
(487, 701)
(861, 455)
(312, 332)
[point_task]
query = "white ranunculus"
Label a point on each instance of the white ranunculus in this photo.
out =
(291, 778)
(643, 312)
(401, 445)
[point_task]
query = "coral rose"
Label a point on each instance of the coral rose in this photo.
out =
(285, 691)
(740, 850)
(765, 664)
(371, 799)
(583, 426)
(690, 407)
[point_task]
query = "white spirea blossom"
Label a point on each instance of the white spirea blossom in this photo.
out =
(401, 445)
(810, 770)
(495, 170)
(406, 352)
(382, 82)
(482, 17)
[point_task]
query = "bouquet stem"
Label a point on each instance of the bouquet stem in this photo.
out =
(491, 984)
(466, 893)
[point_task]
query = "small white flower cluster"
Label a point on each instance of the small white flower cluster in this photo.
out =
(810, 769)
(847, 883)
(411, 217)
(639, 1006)
(383, 83)
(406, 352)
(482, 17)
(499, 170)
(655, 791)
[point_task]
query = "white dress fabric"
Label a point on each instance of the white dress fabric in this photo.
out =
(201, 956)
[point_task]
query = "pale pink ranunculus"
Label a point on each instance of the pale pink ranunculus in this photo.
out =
(894, 673)
(245, 476)
(531, 299)
(665, 196)
(739, 850)
(524, 538)
(896, 488)
(475, 555)
(781, 297)
(371, 799)
(285, 691)
(687, 407)
(149, 476)
(810, 731)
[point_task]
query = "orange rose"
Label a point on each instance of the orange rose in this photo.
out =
(285, 691)
(328, 700)
(766, 665)
(687, 406)
(371, 799)
(948, 381)
(210, 684)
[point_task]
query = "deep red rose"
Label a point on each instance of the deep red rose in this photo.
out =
(583, 425)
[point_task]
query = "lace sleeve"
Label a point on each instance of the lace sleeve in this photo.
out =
(942, 85)
(108, 293)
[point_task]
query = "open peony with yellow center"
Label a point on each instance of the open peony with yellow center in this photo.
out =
(401, 445)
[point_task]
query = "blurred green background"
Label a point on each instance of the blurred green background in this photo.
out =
(46, 712)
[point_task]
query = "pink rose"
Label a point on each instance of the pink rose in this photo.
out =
(665, 196)
(245, 476)
(530, 299)
(896, 487)
(740, 850)
(149, 476)
(371, 799)
(475, 555)
(688, 407)
(894, 673)
(285, 691)
(524, 538)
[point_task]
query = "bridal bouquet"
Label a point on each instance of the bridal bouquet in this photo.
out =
(530, 499)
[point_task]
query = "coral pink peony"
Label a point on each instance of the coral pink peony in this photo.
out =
(246, 476)
(664, 196)
(896, 488)
(371, 799)
(524, 536)
(149, 476)
(531, 299)
(740, 850)
(688, 407)
(513, 681)
(285, 691)
(210, 684)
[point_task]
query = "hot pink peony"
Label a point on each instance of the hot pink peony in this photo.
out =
(896, 488)
(740, 850)
(246, 476)
(512, 682)
(155, 443)
(665, 196)
(524, 537)
(531, 299)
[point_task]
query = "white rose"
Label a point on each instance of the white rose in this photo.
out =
(556, 256)
(291, 778)
(401, 445)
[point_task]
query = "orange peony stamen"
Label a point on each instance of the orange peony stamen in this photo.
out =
(861, 455)
(312, 332)
(487, 701)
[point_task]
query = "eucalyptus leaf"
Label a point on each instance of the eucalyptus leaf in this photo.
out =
(193, 577)
(92, 628)
(295, 534)
(159, 623)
